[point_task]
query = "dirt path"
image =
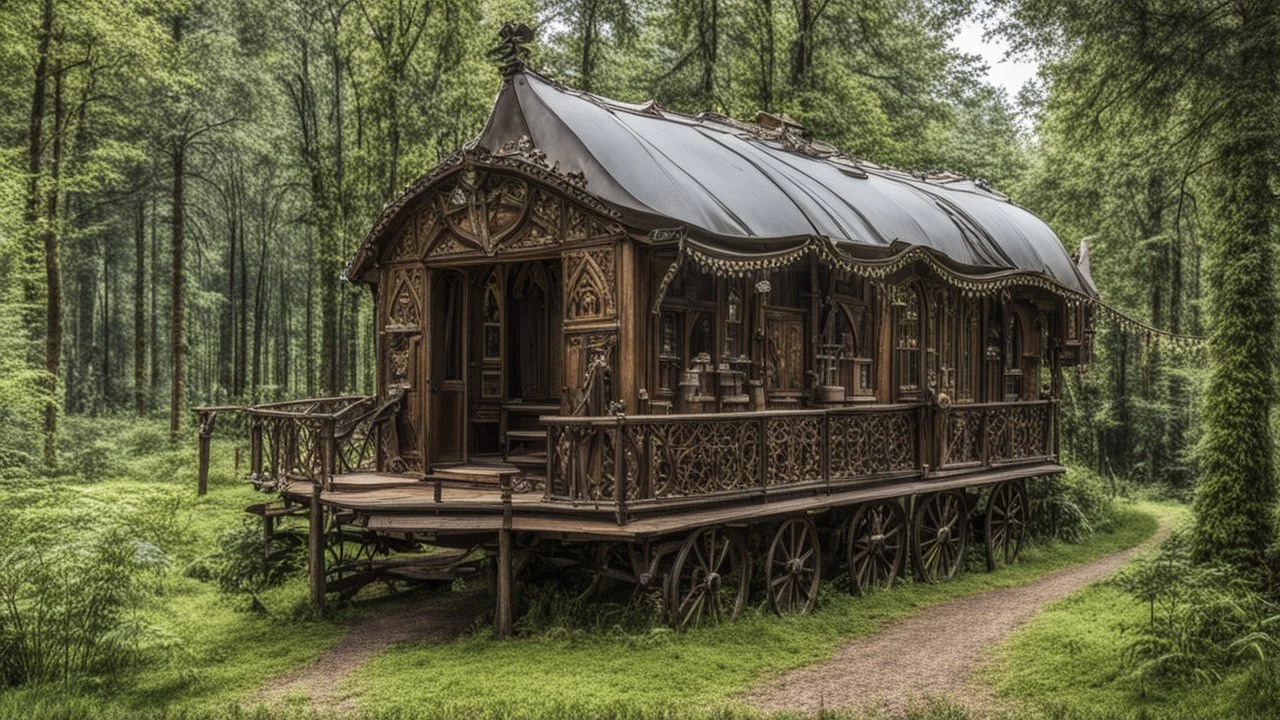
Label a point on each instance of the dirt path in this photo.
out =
(432, 618)
(930, 654)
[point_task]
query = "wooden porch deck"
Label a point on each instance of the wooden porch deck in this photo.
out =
(405, 504)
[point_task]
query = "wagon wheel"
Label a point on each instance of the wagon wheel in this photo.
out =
(876, 545)
(793, 567)
(597, 559)
(709, 580)
(344, 547)
(1005, 523)
(938, 534)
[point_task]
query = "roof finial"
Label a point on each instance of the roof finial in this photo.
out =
(511, 52)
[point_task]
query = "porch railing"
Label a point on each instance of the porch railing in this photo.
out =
(630, 462)
(645, 459)
(310, 440)
(988, 434)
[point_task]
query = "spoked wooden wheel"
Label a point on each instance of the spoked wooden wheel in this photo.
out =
(709, 579)
(876, 545)
(938, 535)
(793, 567)
(1005, 523)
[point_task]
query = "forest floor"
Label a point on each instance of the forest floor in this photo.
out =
(931, 654)
(438, 620)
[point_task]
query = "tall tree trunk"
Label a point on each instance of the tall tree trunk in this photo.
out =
(177, 333)
(35, 150)
(309, 337)
(259, 317)
(108, 337)
(242, 320)
(1235, 501)
(588, 42)
(226, 350)
(53, 281)
(153, 331)
(139, 310)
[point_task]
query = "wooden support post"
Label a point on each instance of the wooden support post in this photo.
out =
(619, 470)
(255, 449)
(207, 419)
(506, 589)
(315, 557)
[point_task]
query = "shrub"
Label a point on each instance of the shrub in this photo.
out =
(243, 565)
(1069, 506)
(72, 608)
(1202, 618)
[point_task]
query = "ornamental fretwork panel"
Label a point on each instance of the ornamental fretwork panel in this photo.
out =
(983, 434)
(664, 458)
(872, 443)
(479, 213)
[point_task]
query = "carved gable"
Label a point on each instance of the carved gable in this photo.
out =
(480, 213)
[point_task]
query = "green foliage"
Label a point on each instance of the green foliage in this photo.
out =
(1202, 618)
(244, 566)
(1076, 661)
(1070, 506)
(73, 609)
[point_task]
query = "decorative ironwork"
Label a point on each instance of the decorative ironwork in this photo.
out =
(512, 51)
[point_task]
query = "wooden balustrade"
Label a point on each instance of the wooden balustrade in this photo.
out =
(987, 434)
(629, 462)
(310, 440)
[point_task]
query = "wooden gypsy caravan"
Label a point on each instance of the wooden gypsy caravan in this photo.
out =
(679, 351)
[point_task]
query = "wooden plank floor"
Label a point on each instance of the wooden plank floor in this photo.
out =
(472, 510)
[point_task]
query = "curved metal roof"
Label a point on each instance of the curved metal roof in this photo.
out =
(744, 188)
(744, 191)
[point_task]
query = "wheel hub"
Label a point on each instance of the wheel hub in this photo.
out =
(944, 534)
(794, 566)
(712, 582)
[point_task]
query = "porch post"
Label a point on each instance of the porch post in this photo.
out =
(207, 419)
(315, 557)
(505, 589)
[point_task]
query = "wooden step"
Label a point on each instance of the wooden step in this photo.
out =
(526, 435)
(364, 482)
(532, 408)
(474, 474)
(528, 460)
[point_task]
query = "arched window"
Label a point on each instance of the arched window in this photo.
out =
(492, 320)
(906, 323)
(1013, 344)
(846, 344)
(969, 352)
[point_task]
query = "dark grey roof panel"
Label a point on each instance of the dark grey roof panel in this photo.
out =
(733, 186)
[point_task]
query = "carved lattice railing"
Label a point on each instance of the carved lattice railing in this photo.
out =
(311, 440)
(986, 434)
(649, 459)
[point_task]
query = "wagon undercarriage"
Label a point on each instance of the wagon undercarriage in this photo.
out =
(705, 564)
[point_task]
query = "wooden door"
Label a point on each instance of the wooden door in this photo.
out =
(784, 335)
(403, 362)
(448, 368)
(534, 335)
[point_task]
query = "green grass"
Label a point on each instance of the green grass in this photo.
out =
(206, 655)
(1068, 663)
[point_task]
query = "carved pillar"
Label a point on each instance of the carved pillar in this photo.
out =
(591, 330)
